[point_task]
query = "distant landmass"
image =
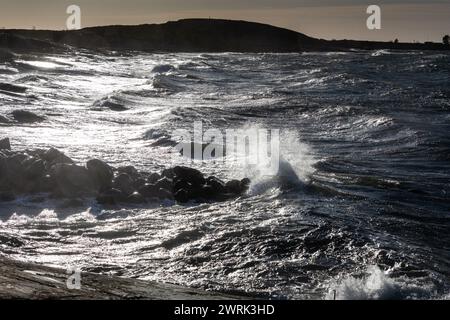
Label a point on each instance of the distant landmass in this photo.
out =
(191, 35)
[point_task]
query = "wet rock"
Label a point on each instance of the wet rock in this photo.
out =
(53, 156)
(168, 173)
(24, 116)
(7, 196)
(217, 185)
(138, 183)
(101, 172)
(72, 203)
(190, 175)
(111, 197)
(182, 196)
(136, 198)
(72, 180)
(149, 191)
(124, 183)
(165, 184)
(165, 194)
(153, 178)
(5, 143)
(245, 184)
(129, 170)
(234, 187)
(36, 169)
(46, 184)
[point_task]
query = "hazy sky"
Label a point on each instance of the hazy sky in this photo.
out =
(407, 20)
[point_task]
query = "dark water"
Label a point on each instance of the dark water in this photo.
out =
(367, 134)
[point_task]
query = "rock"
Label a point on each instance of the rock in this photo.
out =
(182, 196)
(101, 172)
(124, 183)
(217, 185)
(181, 184)
(165, 184)
(245, 184)
(53, 156)
(5, 144)
(72, 180)
(149, 191)
(193, 176)
(24, 116)
(72, 203)
(136, 198)
(165, 194)
(111, 197)
(7, 196)
(138, 183)
(168, 173)
(36, 169)
(234, 187)
(153, 178)
(129, 170)
(46, 183)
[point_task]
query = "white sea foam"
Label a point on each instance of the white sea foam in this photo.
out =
(376, 285)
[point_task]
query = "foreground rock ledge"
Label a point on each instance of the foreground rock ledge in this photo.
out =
(19, 280)
(51, 172)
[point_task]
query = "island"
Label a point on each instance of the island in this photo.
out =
(192, 35)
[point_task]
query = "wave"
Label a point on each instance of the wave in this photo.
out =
(377, 285)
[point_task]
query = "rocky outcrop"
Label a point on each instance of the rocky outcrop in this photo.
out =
(23, 116)
(52, 172)
(22, 280)
(5, 144)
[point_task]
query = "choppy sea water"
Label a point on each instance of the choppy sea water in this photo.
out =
(367, 134)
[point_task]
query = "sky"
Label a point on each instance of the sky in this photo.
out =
(406, 20)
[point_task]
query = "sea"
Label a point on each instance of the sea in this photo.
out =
(364, 141)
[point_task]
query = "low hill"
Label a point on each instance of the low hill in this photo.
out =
(191, 35)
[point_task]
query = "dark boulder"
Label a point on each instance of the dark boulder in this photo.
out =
(7, 196)
(5, 144)
(124, 183)
(153, 178)
(217, 185)
(36, 169)
(72, 180)
(111, 197)
(24, 116)
(182, 184)
(53, 156)
(101, 172)
(136, 198)
(182, 196)
(168, 173)
(193, 176)
(149, 191)
(245, 184)
(129, 170)
(165, 184)
(138, 183)
(234, 187)
(165, 194)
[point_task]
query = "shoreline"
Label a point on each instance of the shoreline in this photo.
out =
(29, 281)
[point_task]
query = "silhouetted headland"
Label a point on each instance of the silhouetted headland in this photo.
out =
(191, 35)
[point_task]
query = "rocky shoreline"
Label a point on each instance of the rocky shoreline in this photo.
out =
(51, 172)
(21, 280)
